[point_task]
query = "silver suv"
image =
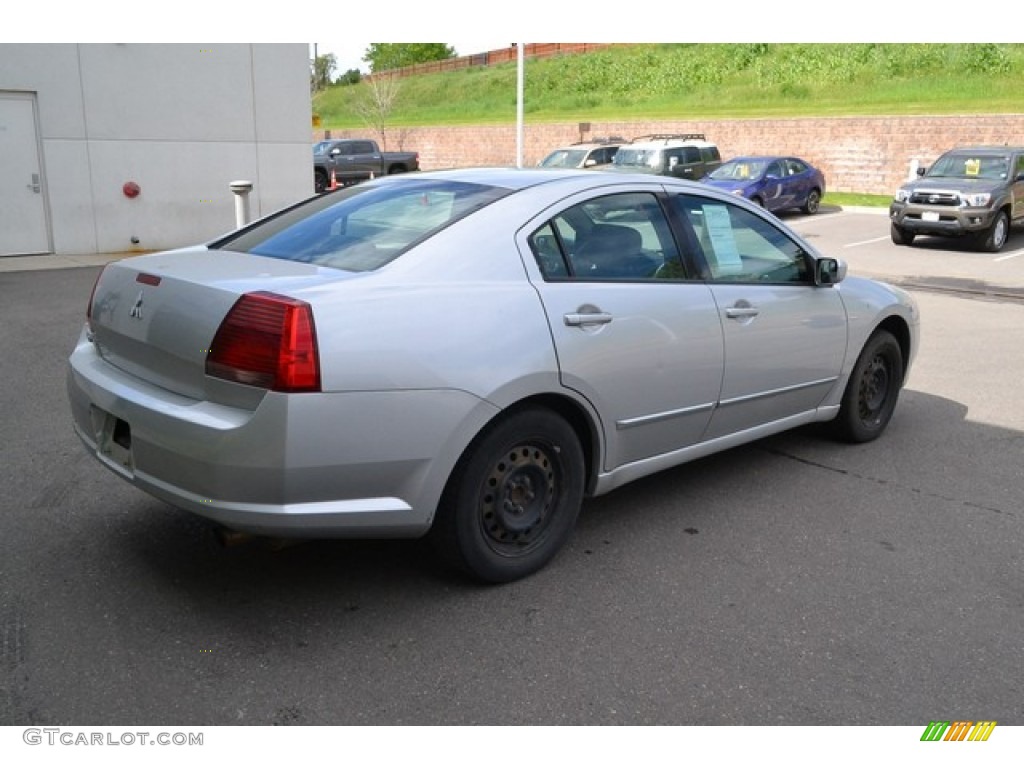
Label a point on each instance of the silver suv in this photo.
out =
(975, 193)
(584, 154)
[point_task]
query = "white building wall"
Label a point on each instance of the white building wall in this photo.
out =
(180, 120)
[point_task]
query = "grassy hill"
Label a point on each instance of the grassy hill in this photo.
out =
(710, 80)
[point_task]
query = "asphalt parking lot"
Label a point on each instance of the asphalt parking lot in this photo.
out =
(793, 581)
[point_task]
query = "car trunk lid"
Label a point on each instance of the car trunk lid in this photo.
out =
(155, 317)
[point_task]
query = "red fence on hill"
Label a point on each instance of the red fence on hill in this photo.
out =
(490, 58)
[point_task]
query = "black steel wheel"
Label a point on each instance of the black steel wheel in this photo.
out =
(813, 202)
(512, 502)
(901, 236)
(872, 391)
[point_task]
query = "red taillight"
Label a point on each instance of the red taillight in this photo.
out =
(267, 341)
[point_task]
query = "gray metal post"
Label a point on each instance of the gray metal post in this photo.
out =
(241, 190)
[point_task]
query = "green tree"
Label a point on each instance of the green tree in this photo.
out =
(351, 77)
(384, 56)
(322, 73)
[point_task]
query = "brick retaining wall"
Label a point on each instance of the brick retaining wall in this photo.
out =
(857, 154)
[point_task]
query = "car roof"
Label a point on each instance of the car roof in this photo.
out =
(575, 179)
(661, 140)
(591, 144)
(988, 149)
(748, 158)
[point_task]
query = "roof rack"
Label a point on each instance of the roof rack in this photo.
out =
(671, 137)
(604, 140)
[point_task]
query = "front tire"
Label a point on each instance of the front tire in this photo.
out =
(994, 238)
(513, 499)
(813, 202)
(319, 182)
(901, 236)
(872, 391)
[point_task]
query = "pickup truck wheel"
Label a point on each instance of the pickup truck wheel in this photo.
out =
(396, 169)
(512, 501)
(900, 236)
(320, 182)
(813, 202)
(872, 390)
(994, 238)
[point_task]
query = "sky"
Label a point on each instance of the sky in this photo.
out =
(545, 21)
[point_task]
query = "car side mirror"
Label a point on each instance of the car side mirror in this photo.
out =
(772, 176)
(335, 152)
(589, 162)
(829, 271)
(922, 170)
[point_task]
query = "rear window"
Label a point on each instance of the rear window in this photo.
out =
(363, 227)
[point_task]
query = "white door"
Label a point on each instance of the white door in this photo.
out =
(23, 226)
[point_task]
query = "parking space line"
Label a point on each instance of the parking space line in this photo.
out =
(1010, 255)
(866, 242)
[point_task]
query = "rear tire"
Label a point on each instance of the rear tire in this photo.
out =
(513, 499)
(813, 202)
(320, 182)
(901, 236)
(872, 391)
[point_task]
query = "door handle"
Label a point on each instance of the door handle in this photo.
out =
(740, 312)
(587, 318)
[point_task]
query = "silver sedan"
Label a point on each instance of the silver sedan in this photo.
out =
(469, 353)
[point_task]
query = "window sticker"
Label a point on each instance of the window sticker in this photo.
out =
(726, 256)
(972, 167)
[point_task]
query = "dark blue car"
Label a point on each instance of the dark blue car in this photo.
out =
(775, 183)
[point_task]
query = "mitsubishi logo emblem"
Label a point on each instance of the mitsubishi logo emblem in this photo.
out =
(136, 310)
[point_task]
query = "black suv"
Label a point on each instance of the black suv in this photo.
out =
(971, 192)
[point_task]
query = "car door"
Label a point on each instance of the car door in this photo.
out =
(635, 335)
(785, 337)
(797, 181)
(774, 192)
(1017, 187)
(366, 159)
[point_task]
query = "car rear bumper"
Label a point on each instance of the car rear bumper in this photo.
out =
(940, 220)
(355, 464)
